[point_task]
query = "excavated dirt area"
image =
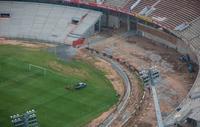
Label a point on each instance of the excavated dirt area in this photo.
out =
(32, 44)
(118, 86)
(111, 74)
(143, 53)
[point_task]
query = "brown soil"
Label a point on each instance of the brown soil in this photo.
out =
(111, 74)
(142, 53)
(67, 70)
(25, 43)
(96, 122)
(133, 101)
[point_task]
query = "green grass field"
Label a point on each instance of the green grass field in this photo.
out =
(22, 90)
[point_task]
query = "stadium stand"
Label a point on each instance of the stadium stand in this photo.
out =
(168, 13)
(88, 1)
(177, 12)
(191, 32)
(180, 17)
(192, 36)
(190, 107)
(171, 14)
(142, 5)
(46, 22)
(128, 5)
(165, 13)
(116, 3)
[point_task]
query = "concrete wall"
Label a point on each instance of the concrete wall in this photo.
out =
(99, 1)
(168, 40)
(180, 45)
(198, 124)
(159, 33)
(184, 48)
(158, 39)
(90, 31)
(110, 21)
(104, 19)
(113, 21)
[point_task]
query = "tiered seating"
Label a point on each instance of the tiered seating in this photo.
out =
(93, 1)
(193, 31)
(190, 106)
(143, 4)
(129, 4)
(177, 11)
(116, 3)
(196, 42)
(46, 22)
(191, 34)
(171, 12)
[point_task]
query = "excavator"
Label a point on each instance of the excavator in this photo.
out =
(186, 59)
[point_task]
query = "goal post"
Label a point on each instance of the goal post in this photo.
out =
(32, 67)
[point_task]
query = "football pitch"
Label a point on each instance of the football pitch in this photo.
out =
(51, 93)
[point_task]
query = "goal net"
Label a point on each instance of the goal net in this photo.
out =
(37, 69)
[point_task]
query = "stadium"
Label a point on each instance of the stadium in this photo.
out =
(99, 63)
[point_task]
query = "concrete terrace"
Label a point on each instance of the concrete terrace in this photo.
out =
(46, 22)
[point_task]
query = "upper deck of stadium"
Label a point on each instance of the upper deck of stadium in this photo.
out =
(166, 13)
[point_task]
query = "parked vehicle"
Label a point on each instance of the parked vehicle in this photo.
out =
(80, 85)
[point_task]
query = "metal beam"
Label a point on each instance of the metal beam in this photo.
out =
(155, 99)
(128, 23)
(157, 107)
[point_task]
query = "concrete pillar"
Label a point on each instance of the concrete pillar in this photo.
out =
(100, 24)
(113, 21)
(136, 28)
(198, 123)
(99, 1)
(107, 19)
(128, 23)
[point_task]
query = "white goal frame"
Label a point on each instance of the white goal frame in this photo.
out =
(30, 66)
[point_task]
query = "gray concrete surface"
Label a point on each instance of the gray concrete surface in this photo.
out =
(45, 22)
